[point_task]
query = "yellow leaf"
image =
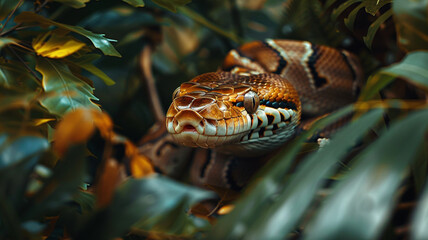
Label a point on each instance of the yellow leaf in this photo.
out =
(140, 165)
(225, 209)
(53, 45)
(40, 121)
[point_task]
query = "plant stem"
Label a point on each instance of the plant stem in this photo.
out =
(10, 15)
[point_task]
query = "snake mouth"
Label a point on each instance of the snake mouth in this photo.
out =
(189, 128)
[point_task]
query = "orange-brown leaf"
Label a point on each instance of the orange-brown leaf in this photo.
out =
(110, 178)
(141, 166)
(76, 127)
(79, 125)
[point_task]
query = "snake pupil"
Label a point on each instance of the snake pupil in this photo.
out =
(251, 102)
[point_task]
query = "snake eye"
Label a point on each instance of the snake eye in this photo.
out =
(251, 102)
(175, 93)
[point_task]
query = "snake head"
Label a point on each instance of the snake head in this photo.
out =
(233, 112)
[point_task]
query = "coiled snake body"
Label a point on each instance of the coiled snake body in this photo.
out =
(256, 103)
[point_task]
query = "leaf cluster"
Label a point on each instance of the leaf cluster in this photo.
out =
(65, 164)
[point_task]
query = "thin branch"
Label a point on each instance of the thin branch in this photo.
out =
(11, 30)
(18, 26)
(149, 81)
(10, 15)
(41, 6)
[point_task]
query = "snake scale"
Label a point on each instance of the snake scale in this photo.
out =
(255, 103)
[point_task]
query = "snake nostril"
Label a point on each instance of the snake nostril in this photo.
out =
(201, 123)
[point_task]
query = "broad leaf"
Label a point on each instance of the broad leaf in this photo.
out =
(67, 92)
(374, 84)
(18, 158)
(73, 3)
(412, 68)
(98, 40)
(60, 188)
(156, 203)
(54, 45)
(171, 4)
(281, 216)
(135, 3)
(6, 41)
(14, 74)
(420, 218)
(411, 20)
(86, 62)
(15, 150)
(361, 204)
(271, 181)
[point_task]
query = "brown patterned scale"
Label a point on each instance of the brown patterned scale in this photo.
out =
(257, 102)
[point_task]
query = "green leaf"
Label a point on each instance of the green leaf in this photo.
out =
(411, 23)
(98, 40)
(412, 68)
(6, 7)
(86, 201)
(85, 62)
(156, 203)
(420, 219)
(374, 84)
(6, 41)
(18, 156)
(73, 3)
(372, 7)
(350, 20)
(14, 74)
(171, 5)
(135, 3)
(361, 204)
(59, 189)
(15, 150)
(281, 216)
(339, 10)
(270, 182)
(67, 91)
(368, 39)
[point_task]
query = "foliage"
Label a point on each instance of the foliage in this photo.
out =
(69, 167)
(370, 6)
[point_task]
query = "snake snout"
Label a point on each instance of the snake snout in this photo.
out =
(189, 121)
